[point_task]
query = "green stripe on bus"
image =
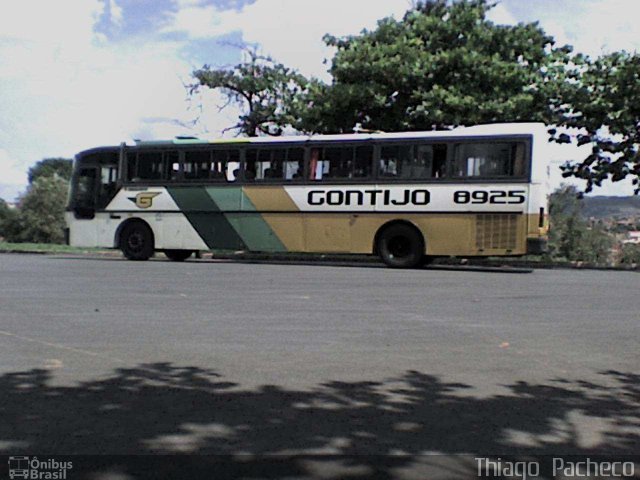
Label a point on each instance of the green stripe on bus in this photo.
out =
(254, 231)
(228, 199)
(205, 217)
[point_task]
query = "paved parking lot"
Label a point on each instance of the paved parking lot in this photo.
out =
(101, 355)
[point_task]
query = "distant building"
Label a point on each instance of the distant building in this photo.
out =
(632, 237)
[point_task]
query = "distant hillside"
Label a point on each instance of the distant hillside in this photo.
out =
(602, 207)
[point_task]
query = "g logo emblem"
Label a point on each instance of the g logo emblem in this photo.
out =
(144, 199)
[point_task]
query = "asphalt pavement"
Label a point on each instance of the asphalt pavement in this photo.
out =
(102, 355)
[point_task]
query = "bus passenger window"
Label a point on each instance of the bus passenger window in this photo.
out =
(251, 164)
(131, 165)
(265, 164)
(339, 160)
(232, 168)
(489, 160)
(392, 159)
(172, 159)
(413, 162)
(363, 162)
(294, 165)
(224, 165)
(197, 165)
(314, 162)
(274, 171)
(150, 166)
(439, 164)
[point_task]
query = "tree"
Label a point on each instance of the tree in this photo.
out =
(630, 254)
(602, 107)
(570, 237)
(7, 217)
(443, 65)
(40, 216)
(51, 166)
(266, 91)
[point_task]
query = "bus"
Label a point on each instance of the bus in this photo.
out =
(408, 197)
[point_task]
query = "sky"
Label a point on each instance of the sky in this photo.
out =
(76, 74)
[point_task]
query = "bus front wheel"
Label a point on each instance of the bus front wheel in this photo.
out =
(401, 246)
(136, 241)
(178, 255)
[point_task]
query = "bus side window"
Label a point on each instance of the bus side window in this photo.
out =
(340, 162)
(218, 167)
(294, 165)
(197, 165)
(315, 165)
(363, 165)
(132, 158)
(232, 167)
(150, 166)
(172, 161)
(519, 160)
(487, 160)
(439, 164)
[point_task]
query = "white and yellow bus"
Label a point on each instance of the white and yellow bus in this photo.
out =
(407, 197)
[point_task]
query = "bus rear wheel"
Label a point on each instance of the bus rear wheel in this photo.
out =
(178, 255)
(401, 246)
(136, 241)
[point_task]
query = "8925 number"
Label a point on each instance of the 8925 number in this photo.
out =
(498, 197)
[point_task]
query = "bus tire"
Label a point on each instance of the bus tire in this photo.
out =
(178, 255)
(136, 241)
(401, 246)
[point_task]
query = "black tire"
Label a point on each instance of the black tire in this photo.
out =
(178, 255)
(136, 241)
(401, 246)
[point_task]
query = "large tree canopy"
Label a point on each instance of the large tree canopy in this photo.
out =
(49, 167)
(265, 90)
(602, 106)
(445, 64)
(441, 66)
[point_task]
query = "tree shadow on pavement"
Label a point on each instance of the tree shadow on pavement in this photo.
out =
(356, 430)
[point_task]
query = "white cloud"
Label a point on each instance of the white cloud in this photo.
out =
(501, 15)
(605, 26)
(289, 31)
(11, 172)
(65, 88)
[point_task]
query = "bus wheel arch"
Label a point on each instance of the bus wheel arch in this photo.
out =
(135, 239)
(400, 244)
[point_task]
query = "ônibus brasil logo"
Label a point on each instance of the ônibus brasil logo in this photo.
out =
(33, 468)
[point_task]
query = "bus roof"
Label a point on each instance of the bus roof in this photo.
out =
(474, 131)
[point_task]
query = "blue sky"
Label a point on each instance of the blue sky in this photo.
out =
(80, 73)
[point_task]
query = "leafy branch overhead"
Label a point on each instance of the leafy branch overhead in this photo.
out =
(266, 91)
(442, 65)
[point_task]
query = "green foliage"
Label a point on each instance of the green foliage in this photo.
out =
(51, 166)
(443, 65)
(602, 105)
(570, 237)
(266, 91)
(40, 216)
(630, 254)
(7, 217)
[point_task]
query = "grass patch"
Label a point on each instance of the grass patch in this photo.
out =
(44, 248)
